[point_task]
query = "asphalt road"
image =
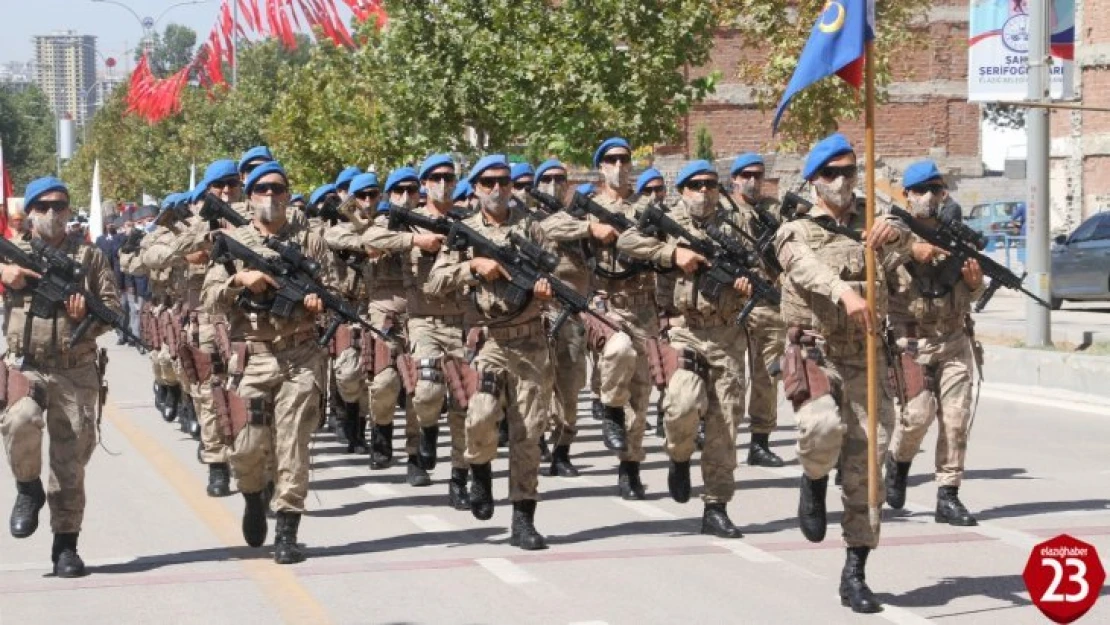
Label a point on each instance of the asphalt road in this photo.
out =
(159, 550)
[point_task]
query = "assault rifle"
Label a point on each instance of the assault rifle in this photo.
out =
(215, 209)
(728, 260)
(768, 225)
(296, 276)
(963, 244)
(61, 277)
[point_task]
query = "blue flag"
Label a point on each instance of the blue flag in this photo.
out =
(836, 46)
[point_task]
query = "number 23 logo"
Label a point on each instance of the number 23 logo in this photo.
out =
(1051, 594)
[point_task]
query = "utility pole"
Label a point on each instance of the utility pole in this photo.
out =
(1038, 329)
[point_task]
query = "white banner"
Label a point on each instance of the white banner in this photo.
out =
(998, 47)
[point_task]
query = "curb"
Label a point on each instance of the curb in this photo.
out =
(1065, 371)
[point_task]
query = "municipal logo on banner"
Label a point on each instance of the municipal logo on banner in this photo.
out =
(998, 50)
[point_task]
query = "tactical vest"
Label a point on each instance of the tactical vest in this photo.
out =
(642, 283)
(678, 293)
(384, 277)
(930, 317)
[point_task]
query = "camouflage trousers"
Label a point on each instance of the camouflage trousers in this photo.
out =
(767, 336)
(282, 391)
(214, 444)
(621, 376)
(164, 367)
(718, 399)
(430, 339)
(70, 420)
(570, 363)
(385, 387)
(516, 381)
(835, 426)
(947, 400)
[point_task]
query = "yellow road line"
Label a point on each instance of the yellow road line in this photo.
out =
(295, 603)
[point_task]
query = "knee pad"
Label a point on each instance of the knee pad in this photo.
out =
(349, 375)
(685, 395)
(619, 351)
(22, 415)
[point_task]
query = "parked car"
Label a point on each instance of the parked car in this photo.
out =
(1081, 262)
(995, 218)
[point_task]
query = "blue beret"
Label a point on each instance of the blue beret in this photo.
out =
(218, 170)
(363, 181)
(551, 163)
(649, 174)
(297, 197)
(40, 187)
(490, 161)
(269, 167)
(693, 168)
(920, 172)
(171, 199)
(463, 190)
(423, 191)
(826, 150)
(745, 160)
(197, 193)
(520, 170)
(383, 206)
(253, 154)
(609, 144)
(346, 176)
(433, 161)
(397, 176)
(319, 192)
(585, 188)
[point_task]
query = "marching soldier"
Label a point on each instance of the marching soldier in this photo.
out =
(931, 326)
(252, 158)
(766, 333)
(651, 186)
(51, 383)
(315, 201)
(523, 176)
(708, 382)
(513, 363)
(160, 313)
(275, 369)
(826, 314)
(343, 181)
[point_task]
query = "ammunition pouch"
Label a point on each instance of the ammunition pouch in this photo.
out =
(170, 330)
(377, 354)
(802, 377)
(148, 328)
(406, 366)
(597, 333)
(14, 386)
(235, 412)
(462, 380)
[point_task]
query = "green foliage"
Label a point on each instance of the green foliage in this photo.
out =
(27, 134)
(1004, 115)
(703, 142)
(171, 50)
(780, 28)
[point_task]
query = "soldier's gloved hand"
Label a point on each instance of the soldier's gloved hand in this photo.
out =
(687, 260)
(313, 303)
(856, 307)
(882, 233)
(743, 286)
(197, 258)
(603, 232)
(926, 252)
(75, 307)
(428, 242)
(542, 290)
(488, 269)
(254, 281)
(15, 276)
(972, 273)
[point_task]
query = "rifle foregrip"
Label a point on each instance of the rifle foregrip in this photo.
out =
(985, 298)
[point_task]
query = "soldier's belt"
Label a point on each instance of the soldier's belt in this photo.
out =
(42, 358)
(447, 320)
(698, 322)
(524, 330)
(281, 343)
(631, 301)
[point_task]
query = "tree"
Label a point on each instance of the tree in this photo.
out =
(777, 30)
(704, 145)
(1004, 115)
(171, 50)
(27, 133)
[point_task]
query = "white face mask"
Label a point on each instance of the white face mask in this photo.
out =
(924, 206)
(48, 225)
(836, 194)
(439, 192)
(267, 208)
(616, 174)
(750, 190)
(554, 189)
(697, 204)
(493, 203)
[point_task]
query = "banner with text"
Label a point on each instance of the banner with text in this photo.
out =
(998, 47)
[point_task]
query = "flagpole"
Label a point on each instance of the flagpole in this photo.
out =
(873, 503)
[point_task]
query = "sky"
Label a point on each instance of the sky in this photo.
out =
(115, 28)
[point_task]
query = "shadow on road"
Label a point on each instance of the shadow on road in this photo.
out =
(1044, 507)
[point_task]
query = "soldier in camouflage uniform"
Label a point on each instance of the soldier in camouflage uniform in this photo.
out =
(930, 323)
(51, 383)
(165, 293)
(513, 364)
(826, 313)
(275, 371)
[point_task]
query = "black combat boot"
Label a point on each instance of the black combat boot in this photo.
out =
(524, 534)
(427, 448)
(254, 519)
(171, 402)
(457, 497)
(160, 398)
(381, 446)
(629, 480)
(613, 432)
(219, 479)
(895, 482)
(660, 431)
(699, 438)
(760, 454)
(29, 499)
(503, 433)
(545, 450)
(811, 508)
(481, 491)
(678, 481)
(560, 463)
(286, 549)
(194, 421)
(64, 555)
(417, 476)
(853, 585)
(715, 521)
(950, 509)
(597, 409)
(355, 426)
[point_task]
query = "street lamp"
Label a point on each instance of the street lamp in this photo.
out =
(148, 23)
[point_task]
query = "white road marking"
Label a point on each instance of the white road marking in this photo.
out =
(380, 491)
(749, 552)
(431, 523)
(1057, 400)
(644, 508)
(506, 571)
(901, 616)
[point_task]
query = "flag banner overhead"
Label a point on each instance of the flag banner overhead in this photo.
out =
(998, 47)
